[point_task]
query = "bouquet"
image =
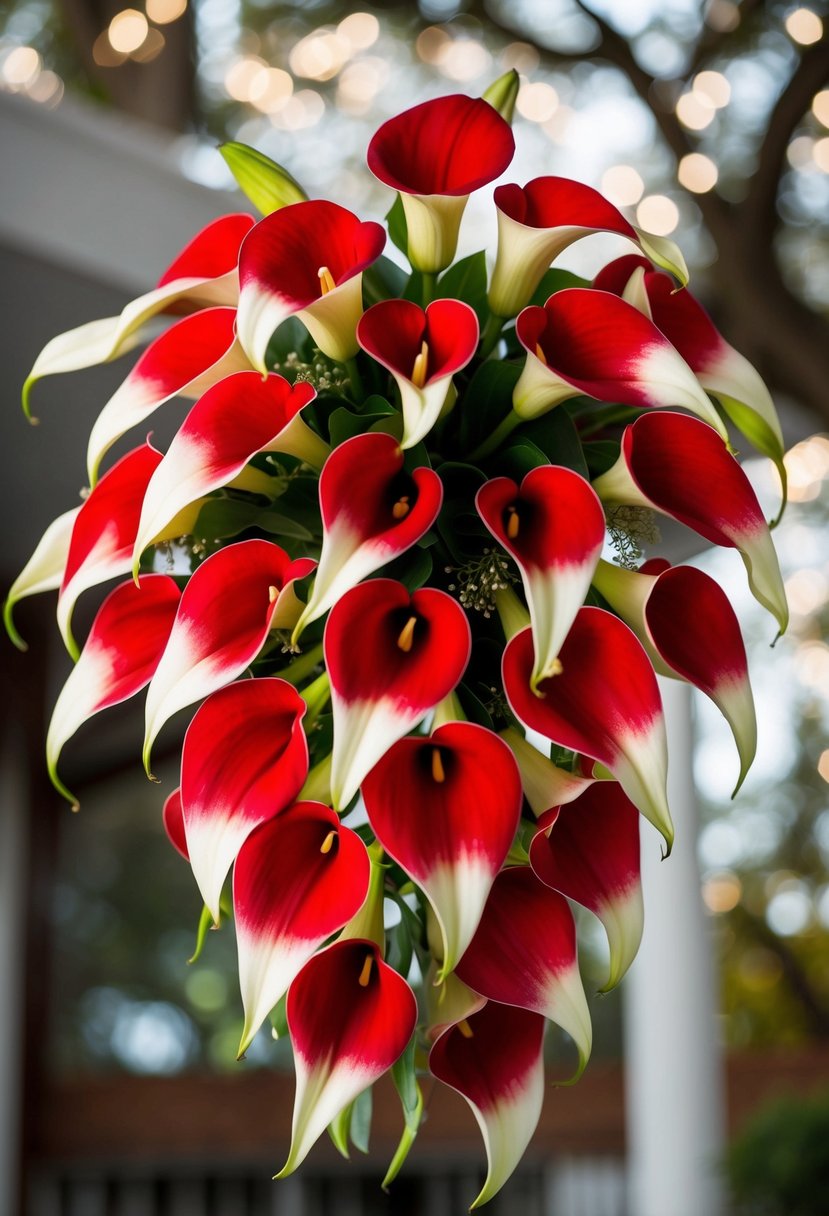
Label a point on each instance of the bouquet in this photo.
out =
(375, 557)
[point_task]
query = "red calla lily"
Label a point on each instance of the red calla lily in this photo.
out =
(204, 273)
(121, 653)
(228, 607)
(422, 348)
(524, 953)
(538, 221)
(436, 154)
(185, 360)
(554, 526)
(236, 418)
(494, 1059)
(305, 260)
(391, 657)
(679, 466)
(604, 703)
(594, 343)
(589, 851)
(244, 759)
(350, 1016)
(446, 808)
(720, 369)
(372, 511)
(686, 623)
(298, 878)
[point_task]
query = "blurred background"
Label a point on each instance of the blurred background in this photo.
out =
(709, 1088)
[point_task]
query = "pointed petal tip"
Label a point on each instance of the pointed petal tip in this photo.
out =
(11, 629)
(74, 804)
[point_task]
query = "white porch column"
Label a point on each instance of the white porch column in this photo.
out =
(675, 1093)
(13, 867)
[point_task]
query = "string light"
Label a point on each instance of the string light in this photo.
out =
(622, 185)
(657, 214)
(697, 173)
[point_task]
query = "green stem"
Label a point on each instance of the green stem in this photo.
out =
(356, 379)
(491, 334)
(303, 665)
(504, 428)
(429, 283)
(316, 697)
(603, 418)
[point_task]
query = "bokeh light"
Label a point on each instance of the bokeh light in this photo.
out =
(697, 173)
(537, 102)
(622, 185)
(658, 214)
(804, 26)
(695, 111)
(127, 31)
(162, 12)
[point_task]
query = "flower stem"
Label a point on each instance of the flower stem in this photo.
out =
(491, 334)
(303, 665)
(429, 283)
(316, 697)
(504, 428)
(356, 379)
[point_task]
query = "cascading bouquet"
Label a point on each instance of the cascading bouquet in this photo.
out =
(373, 554)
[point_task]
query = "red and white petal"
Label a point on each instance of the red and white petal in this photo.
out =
(495, 1060)
(281, 267)
(554, 526)
(227, 610)
(391, 657)
(203, 274)
(184, 361)
(244, 759)
(545, 784)
(173, 820)
(680, 467)
(524, 953)
(447, 808)
(104, 532)
(234, 420)
(350, 1017)
(298, 878)
(44, 569)
(372, 511)
(604, 703)
(589, 851)
(119, 657)
(605, 348)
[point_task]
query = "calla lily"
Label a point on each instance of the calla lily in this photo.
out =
(524, 953)
(305, 260)
(720, 369)
(244, 759)
(173, 820)
(372, 511)
(554, 526)
(204, 273)
(184, 361)
(679, 466)
(446, 808)
(228, 607)
(350, 1016)
(391, 657)
(298, 878)
(596, 344)
(422, 349)
(104, 532)
(119, 657)
(43, 571)
(435, 154)
(589, 851)
(688, 627)
(495, 1060)
(545, 784)
(538, 221)
(236, 418)
(604, 703)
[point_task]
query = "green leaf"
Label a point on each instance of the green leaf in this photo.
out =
(458, 517)
(279, 1018)
(291, 337)
(345, 424)
(473, 707)
(486, 401)
(466, 281)
(268, 186)
(412, 568)
(339, 1128)
(397, 226)
(520, 457)
(555, 434)
(361, 1120)
(553, 281)
(283, 525)
(384, 280)
(411, 1099)
(601, 455)
(224, 517)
